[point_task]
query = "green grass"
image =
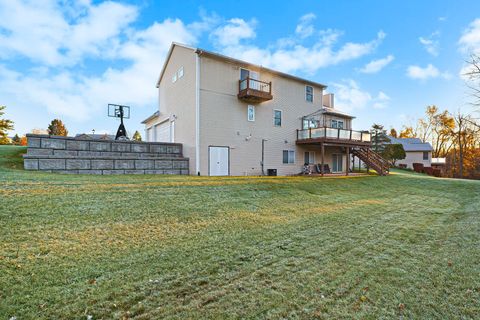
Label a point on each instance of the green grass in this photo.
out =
(148, 247)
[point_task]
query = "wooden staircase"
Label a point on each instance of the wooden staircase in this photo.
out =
(372, 160)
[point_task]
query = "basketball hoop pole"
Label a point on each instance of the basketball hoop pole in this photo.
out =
(119, 112)
(121, 132)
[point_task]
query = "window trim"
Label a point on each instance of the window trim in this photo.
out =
(281, 116)
(180, 75)
(174, 77)
(337, 122)
(248, 113)
(425, 153)
(311, 154)
(289, 152)
(306, 93)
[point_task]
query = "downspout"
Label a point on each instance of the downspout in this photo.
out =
(197, 113)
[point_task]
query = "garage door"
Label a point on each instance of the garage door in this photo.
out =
(218, 161)
(150, 134)
(162, 132)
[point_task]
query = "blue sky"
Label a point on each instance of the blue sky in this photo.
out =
(384, 60)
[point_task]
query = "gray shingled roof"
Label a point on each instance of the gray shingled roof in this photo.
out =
(411, 144)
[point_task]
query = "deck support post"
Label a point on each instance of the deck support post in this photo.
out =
(348, 161)
(353, 163)
(322, 158)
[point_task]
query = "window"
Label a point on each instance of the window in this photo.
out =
(288, 156)
(307, 124)
(277, 118)
(244, 73)
(309, 157)
(425, 155)
(251, 113)
(309, 93)
(337, 124)
(177, 75)
(180, 72)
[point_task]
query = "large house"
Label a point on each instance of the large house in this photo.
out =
(416, 151)
(238, 118)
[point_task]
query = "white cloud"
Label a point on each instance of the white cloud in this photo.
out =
(67, 92)
(350, 97)
(56, 34)
(305, 28)
(381, 100)
(431, 43)
(234, 31)
(293, 57)
(375, 66)
(425, 73)
(470, 39)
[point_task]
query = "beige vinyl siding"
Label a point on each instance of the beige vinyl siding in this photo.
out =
(178, 99)
(223, 119)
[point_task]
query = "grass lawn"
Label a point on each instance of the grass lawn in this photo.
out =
(150, 246)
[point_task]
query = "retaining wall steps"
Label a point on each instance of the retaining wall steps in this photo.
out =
(77, 156)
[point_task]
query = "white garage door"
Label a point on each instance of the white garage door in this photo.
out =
(218, 161)
(162, 132)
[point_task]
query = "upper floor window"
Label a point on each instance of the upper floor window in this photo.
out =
(309, 93)
(277, 118)
(337, 124)
(177, 75)
(180, 72)
(251, 113)
(425, 155)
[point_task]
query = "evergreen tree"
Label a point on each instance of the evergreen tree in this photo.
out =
(137, 136)
(5, 125)
(57, 128)
(394, 152)
(379, 137)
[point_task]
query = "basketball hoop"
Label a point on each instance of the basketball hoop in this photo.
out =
(122, 112)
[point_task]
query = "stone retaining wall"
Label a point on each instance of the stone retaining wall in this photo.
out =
(88, 156)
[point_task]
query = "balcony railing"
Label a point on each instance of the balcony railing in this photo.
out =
(253, 90)
(325, 133)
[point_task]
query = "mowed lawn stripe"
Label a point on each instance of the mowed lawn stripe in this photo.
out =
(237, 247)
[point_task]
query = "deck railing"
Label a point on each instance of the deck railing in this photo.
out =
(333, 133)
(254, 84)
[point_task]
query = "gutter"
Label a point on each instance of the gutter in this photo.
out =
(197, 113)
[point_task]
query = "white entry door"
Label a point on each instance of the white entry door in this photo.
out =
(162, 132)
(337, 162)
(218, 161)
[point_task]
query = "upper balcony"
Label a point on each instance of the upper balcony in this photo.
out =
(254, 91)
(333, 136)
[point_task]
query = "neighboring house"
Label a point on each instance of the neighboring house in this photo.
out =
(238, 118)
(416, 151)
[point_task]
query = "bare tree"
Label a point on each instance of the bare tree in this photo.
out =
(473, 76)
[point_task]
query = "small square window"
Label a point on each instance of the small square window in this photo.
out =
(334, 124)
(277, 118)
(251, 113)
(309, 93)
(425, 155)
(180, 72)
